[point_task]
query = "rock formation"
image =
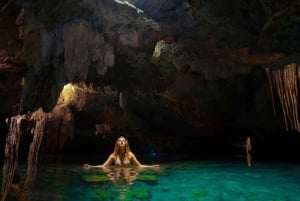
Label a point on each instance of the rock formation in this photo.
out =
(192, 71)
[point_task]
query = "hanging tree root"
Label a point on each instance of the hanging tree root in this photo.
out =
(284, 84)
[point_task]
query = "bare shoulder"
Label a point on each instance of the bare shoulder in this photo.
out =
(112, 156)
(131, 154)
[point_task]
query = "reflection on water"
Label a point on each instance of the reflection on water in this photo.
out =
(174, 181)
(121, 177)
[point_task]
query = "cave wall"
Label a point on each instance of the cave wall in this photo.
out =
(190, 71)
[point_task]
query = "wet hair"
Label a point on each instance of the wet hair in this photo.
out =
(117, 147)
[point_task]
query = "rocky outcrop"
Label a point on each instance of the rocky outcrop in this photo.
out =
(189, 69)
(281, 32)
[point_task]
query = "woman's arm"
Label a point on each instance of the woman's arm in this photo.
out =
(107, 163)
(136, 162)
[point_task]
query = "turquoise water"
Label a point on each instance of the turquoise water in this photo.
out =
(174, 181)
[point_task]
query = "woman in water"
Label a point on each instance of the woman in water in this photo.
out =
(121, 157)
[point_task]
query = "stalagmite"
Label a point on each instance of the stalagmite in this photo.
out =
(11, 154)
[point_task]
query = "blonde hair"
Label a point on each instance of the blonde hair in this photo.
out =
(117, 148)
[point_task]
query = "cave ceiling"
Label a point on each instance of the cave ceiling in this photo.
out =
(180, 58)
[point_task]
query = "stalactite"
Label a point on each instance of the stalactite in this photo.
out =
(271, 89)
(11, 154)
(278, 85)
(291, 91)
(12, 148)
(32, 160)
(289, 102)
(291, 72)
(285, 83)
(296, 102)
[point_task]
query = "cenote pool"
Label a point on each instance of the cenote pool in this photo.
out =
(216, 180)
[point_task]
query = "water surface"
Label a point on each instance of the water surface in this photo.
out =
(174, 181)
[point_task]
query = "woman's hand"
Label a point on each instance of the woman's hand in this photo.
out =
(85, 166)
(149, 166)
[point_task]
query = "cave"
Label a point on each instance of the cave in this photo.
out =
(180, 79)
